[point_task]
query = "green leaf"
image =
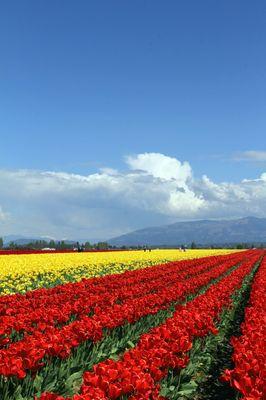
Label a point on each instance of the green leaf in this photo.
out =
(37, 384)
(114, 350)
(188, 388)
(72, 378)
(50, 386)
(164, 391)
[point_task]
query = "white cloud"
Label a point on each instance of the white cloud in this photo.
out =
(161, 166)
(156, 189)
(3, 215)
(263, 177)
(251, 155)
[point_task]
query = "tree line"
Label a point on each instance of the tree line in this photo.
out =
(54, 244)
(65, 245)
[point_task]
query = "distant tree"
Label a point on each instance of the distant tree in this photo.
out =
(1, 243)
(62, 245)
(88, 246)
(239, 246)
(102, 246)
(52, 244)
(193, 245)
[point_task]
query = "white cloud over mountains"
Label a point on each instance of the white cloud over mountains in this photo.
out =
(155, 189)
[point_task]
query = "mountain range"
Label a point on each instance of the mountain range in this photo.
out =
(204, 232)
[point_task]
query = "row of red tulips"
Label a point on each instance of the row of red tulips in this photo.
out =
(43, 308)
(249, 373)
(29, 352)
(138, 372)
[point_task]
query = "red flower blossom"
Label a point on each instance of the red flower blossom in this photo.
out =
(166, 346)
(249, 373)
(43, 315)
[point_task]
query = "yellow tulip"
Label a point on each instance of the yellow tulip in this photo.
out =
(20, 273)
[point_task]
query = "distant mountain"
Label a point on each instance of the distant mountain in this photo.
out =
(22, 240)
(249, 229)
(10, 238)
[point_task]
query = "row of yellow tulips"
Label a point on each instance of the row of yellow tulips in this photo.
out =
(20, 273)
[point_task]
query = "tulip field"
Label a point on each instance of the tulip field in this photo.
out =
(133, 325)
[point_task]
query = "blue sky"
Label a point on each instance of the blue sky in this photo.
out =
(85, 84)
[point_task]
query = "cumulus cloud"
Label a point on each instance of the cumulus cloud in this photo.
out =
(155, 189)
(161, 166)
